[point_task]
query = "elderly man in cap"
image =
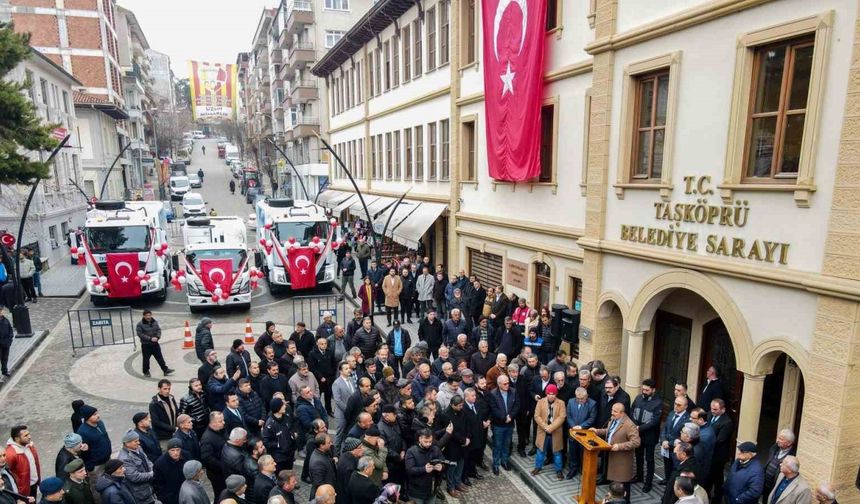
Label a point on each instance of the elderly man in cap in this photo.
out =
(112, 485)
(148, 440)
(192, 491)
(236, 488)
(187, 437)
(52, 489)
(168, 473)
(139, 472)
(374, 447)
(73, 445)
(745, 481)
(77, 486)
(94, 433)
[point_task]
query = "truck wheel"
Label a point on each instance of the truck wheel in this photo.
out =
(192, 309)
(97, 300)
(161, 295)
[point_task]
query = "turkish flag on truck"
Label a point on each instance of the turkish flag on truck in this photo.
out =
(302, 267)
(513, 86)
(215, 273)
(122, 275)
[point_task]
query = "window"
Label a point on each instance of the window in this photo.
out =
(430, 19)
(419, 153)
(444, 33)
(780, 90)
(332, 37)
(66, 102)
(358, 82)
(44, 87)
(445, 132)
(378, 63)
(468, 46)
(397, 174)
(467, 161)
(31, 90)
(574, 294)
(337, 4)
(553, 12)
(373, 155)
(361, 157)
(652, 96)
(407, 55)
(434, 158)
(389, 162)
(547, 143)
(386, 65)
(379, 151)
(395, 61)
(407, 140)
(416, 50)
(372, 69)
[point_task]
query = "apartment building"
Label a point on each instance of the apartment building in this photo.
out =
(162, 80)
(696, 202)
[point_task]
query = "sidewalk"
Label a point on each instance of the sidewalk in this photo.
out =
(63, 280)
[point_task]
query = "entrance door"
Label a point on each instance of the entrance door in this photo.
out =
(717, 351)
(542, 285)
(671, 354)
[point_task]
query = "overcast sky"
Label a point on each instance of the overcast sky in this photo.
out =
(204, 30)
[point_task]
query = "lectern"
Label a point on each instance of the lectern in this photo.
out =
(592, 444)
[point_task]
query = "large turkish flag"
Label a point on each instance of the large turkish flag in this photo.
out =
(122, 275)
(303, 267)
(513, 86)
(216, 273)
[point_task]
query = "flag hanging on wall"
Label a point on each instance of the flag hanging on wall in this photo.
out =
(513, 86)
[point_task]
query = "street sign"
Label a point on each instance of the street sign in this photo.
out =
(7, 239)
(332, 311)
(100, 322)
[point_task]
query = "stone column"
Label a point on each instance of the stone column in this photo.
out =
(750, 407)
(635, 346)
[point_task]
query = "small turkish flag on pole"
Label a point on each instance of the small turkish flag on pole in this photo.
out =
(513, 86)
(303, 271)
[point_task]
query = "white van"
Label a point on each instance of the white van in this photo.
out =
(178, 187)
(231, 153)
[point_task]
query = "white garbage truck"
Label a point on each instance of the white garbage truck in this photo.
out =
(217, 265)
(124, 246)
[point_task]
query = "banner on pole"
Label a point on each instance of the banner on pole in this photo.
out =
(213, 91)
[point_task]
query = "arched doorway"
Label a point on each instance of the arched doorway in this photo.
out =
(610, 327)
(717, 351)
(782, 399)
(543, 283)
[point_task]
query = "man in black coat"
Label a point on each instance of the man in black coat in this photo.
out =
(163, 411)
(347, 464)
(279, 434)
(6, 338)
(647, 410)
(612, 393)
(168, 476)
(265, 480)
(478, 413)
(239, 358)
(149, 333)
(686, 463)
(361, 488)
(723, 426)
(712, 389)
(430, 330)
(507, 338)
(251, 407)
(476, 301)
(304, 339)
(211, 445)
(458, 445)
(187, 437)
(420, 473)
(406, 295)
(321, 468)
(322, 364)
(499, 308)
(273, 382)
(264, 340)
(233, 454)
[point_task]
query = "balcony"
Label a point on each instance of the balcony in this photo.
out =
(303, 91)
(275, 56)
(300, 14)
(285, 39)
(302, 54)
(306, 127)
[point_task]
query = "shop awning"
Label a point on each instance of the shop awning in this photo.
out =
(413, 227)
(357, 209)
(396, 214)
(344, 204)
(378, 206)
(331, 198)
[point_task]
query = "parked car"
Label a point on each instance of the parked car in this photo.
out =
(251, 221)
(251, 194)
(194, 180)
(178, 187)
(193, 205)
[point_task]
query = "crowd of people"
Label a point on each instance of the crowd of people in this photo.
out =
(411, 419)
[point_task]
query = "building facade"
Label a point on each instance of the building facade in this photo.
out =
(162, 80)
(697, 200)
(57, 205)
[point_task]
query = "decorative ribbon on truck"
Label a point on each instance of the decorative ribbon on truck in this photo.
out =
(302, 263)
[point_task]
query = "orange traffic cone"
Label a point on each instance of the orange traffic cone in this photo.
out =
(188, 342)
(249, 336)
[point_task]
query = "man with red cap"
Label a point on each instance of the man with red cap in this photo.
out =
(549, 418)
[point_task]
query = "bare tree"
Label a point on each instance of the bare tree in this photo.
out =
(171, 125)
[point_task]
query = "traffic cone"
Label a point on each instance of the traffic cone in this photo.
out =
(249, 336)
(189, 341)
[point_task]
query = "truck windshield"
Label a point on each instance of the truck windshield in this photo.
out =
(237, 255)
(302, 231)
(103, 240)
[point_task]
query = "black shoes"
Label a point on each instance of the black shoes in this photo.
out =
(521, 453)
(146, 374)
(646, 488)
(506, 466)
(495, 470)
(168, 371)
(532, 452)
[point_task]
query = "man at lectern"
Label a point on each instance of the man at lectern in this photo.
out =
(623, 435)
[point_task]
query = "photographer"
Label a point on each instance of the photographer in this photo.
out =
(423, 468)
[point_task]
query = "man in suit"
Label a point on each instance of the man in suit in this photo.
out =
(504, 408)
(790, 487)
(612, 394)
(671, 431)
(683, 452)
(623, 435)
(783, 447)
(581, 414)
(681, 391)
(722, 425)
(712, 389)
(647, 410)
(499, 307)
(707, 442)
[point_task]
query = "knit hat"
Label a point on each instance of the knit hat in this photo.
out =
(276, 404)
(372, 431)
(551, 389)
(351, 444)
(389, 408)
(174, 443)
(130, 435)
(236, 344)
(51, 485)
(234, 482)
(72, 440)
(75, 465)
(139, 416)
(87, 411)
(387, 371)
(112, 465)
(191, 468)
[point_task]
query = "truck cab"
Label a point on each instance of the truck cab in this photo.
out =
(298, 219)
(135, 234)
(216, 257)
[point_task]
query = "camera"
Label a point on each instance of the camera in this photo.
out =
(443, 462)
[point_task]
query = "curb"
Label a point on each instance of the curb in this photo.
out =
(21, 359)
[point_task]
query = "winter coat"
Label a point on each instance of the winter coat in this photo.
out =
(420, 481)
(202, 341)
(138, 475)
(321, 470)
(163, 412)
(19, 465)
(347, 266)
(393, 441)
(270, 385)
(252, 409)
(240, 361)
(622, 463)
(149, 444)
(405, 340)
(263, 485)
(744, 483)
(263, 341)
(80, 493)
(456, 447)
(218, 390)
(7, 335)
(480, 364)
(114, 490)
(190, 444)
(308, 411)
(378, 456)
(362, 250)
(28, 269)
(452, 329)
(431, 332)
(392, 286)
(322, 364)
(305, 341)
(419, 386)
(346, 465)
(367, 341)
(64, 456)
(646, 415)
(367, 297)
(196, 407)
(408, 291)
(192, 492)
(362, 489)
(98, 442)
(149, 333)
(211, 445)
(497, 407)
(465, 353)
(424, 287)
(556, 426)
(233, 460)
(298, 381)
(279, 437)
(439, 288)
(584, 417)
